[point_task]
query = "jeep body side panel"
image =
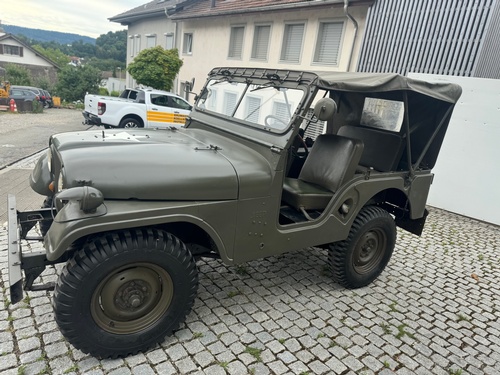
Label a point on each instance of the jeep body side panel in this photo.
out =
(258, 233)
(71, 224)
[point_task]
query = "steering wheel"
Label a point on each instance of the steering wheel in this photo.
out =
(272, 117)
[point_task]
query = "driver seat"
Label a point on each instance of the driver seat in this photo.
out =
(331, 162)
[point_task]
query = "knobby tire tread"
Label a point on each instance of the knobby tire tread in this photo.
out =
(337, 254)
(97, 251)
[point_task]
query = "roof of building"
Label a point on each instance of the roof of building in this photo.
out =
(212, 8)
(10, 36)
(154, 8)
(185, 9)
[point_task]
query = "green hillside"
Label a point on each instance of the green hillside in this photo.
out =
(46, 35)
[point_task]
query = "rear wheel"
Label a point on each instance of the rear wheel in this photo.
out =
(130, 122)
(363, 255)
(125, 291)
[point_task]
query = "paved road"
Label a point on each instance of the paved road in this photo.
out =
(434, 310)
(27, 133)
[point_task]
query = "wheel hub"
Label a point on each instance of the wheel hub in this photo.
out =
(369, 250)
(132, 298)
(132, 294)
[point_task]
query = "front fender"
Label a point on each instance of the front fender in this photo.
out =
(41, 178)
(72, 224)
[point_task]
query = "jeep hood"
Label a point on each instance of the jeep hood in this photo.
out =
(150, 164)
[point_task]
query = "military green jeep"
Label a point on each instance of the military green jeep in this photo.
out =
(270, 161)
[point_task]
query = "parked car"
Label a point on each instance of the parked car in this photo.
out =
(23, 94)
(38, 91)
(48, 99)
(150, 108)
(129, 211)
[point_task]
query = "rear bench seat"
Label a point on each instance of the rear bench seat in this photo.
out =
(382, 149)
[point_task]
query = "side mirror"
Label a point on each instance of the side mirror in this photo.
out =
(324, 109)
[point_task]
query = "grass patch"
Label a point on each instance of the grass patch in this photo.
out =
(462, 317)
(392, 306)
(73, 368)
(402, 332)
(224, 365)
(255, 352)
(385, 328)
(241, 270)
(233, 293)
(197, 335)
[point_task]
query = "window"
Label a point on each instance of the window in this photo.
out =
(151, 41)
(229, 103)
(169, 42)
(292, 42)
(261, 42)
(282, 112)
(328, 43)
(131, 45)
(252, 110)
(7, 49)
(137, 44)
(178, 103)
(236, 42)
(187, 45)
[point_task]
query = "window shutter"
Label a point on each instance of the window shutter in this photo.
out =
(281, 111)
(253, 109)
(328, 45)
(21, 51)
(236, 42)
(292, 43)
(169, 44)
(1, 49)
(229, 103)
(261, 42)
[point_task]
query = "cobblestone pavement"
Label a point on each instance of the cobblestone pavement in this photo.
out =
(434, 310)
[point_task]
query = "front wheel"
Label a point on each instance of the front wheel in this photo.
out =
(363, 255)
(124, 292)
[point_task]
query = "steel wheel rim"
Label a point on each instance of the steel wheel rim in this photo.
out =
(132, 298)
(369, 251)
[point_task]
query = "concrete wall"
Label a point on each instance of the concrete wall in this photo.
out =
(466, 180)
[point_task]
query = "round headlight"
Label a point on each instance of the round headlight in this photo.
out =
(60, 182)
(49, 160)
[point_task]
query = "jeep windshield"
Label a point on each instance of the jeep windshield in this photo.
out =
(268, 106)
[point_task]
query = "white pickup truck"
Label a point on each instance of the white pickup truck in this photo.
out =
(144, 108)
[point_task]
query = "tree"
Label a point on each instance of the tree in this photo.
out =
(112, 45)
(53, 54)
(74, 82)
(17, 75)
(156, 67)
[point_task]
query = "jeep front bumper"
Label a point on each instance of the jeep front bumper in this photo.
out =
(33, 263)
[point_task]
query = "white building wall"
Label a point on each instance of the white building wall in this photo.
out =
(466, 173)
(137, 33)
(211, 41)
(28, 58)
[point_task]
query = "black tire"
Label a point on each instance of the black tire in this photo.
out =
(45, 224)
(151, 278)
(130, 122)
(363, 255)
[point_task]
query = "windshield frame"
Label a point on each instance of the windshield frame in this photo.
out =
(255, 80)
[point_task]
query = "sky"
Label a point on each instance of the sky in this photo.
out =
(84, 17)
